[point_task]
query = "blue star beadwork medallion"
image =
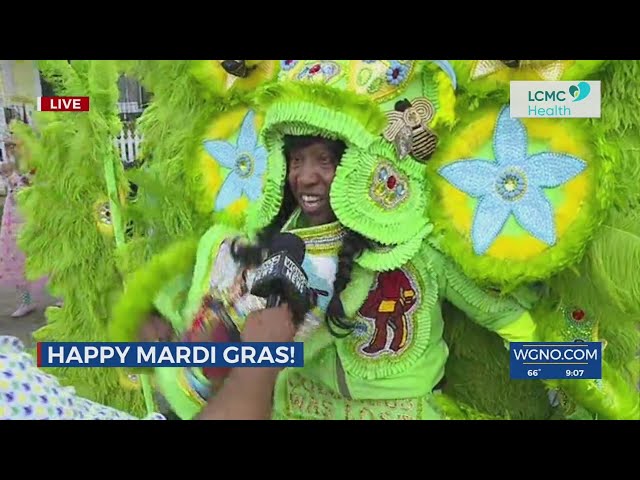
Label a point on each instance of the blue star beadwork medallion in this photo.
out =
(512, 184)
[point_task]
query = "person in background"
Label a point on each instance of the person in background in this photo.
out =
(12, 259)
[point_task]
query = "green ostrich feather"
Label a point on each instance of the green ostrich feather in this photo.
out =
(606, 284)
(477, 373)
(174, 199)
(170, 179)
(61, 237)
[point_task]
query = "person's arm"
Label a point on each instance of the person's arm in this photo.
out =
(247, 393)
(506, 315)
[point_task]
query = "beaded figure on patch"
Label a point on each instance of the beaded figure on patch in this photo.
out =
(219, 319)
(408, 130)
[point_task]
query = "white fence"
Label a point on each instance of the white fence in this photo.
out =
(127, 142)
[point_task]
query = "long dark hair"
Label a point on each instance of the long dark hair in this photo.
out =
(353, 243)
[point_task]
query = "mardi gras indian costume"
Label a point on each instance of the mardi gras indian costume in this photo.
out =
(466, 207)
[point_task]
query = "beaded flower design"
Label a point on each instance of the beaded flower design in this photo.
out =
(512, 184)
(247, 160)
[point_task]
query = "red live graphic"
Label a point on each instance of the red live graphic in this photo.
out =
(63, 104)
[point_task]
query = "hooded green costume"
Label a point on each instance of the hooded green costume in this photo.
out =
(525, 227)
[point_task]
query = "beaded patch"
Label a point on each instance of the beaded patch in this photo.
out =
(388, 187)
(104, 213)
(551, 71)
(380, 79)
(246, 159)
(321, 71)
(103, 219)
(307, 399)
(578, 325)
(407, 128)
(128, 381)
(194, 386)
(386, 318)
(322, 244)
(379, 197)
(229, 283)
(513, 184)
(393, 323)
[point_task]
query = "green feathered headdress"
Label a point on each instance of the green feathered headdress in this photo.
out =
(389, 114)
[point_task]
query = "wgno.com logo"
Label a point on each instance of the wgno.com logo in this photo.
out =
(575, 93)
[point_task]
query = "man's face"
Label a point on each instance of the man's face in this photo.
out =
(311, 171)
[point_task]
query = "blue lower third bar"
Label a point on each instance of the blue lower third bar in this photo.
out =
(555, 360)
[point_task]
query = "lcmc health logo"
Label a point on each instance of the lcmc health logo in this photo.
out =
(579, 91)
(543, 99)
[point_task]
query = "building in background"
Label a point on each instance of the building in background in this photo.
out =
(19, 89)
(21, 84)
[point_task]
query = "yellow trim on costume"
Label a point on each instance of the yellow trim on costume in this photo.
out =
(521, 330)
(405, 331)
(445, 114)
(319, 240)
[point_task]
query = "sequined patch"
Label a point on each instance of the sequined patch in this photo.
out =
(322, 71)
(386, 323)
(380, 79)
(388, 187)
(578, 325)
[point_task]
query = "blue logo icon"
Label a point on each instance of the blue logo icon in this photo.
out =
(579, 91)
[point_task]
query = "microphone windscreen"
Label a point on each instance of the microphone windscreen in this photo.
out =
(290, 243)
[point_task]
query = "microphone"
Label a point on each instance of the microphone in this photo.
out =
(281, 278)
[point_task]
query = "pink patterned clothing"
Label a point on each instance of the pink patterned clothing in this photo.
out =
(12, 259)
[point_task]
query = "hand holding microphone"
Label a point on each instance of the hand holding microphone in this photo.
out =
(280, 278)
